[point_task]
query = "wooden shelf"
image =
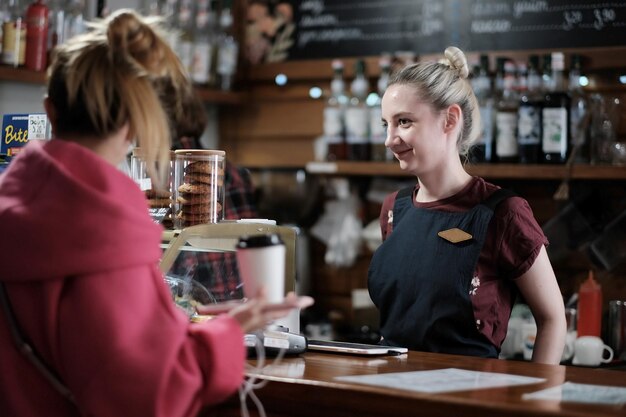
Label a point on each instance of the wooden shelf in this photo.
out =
(208, 95)
(500, 171)
(22, 75)
(596, 59)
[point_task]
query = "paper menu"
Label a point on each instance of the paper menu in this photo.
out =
(441, 380)
(581, 393)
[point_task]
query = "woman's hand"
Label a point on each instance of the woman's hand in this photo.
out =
(257, 312)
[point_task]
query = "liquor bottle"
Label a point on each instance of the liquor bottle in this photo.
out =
(357, 120)
(56, 23)
(547, 83)
(228, 49)
(151, 8)
(529, 115)
(74, 18)
(499, 78)
(555, 115)
(14, 36)
(36, 36)
(203, 63)
(185, 29)
(483, 150)
(334, 112)
(506, 117)
(589, 307)
(378, 151)
(579, 109)
(168, 12)
(4, 16)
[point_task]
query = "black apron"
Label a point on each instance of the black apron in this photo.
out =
(421, 282)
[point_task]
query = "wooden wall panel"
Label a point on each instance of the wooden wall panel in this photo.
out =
(298, 117)
(273, 151)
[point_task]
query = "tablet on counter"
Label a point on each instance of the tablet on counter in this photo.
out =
(353, 348)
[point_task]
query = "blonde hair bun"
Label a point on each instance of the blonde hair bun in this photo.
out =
(456, 59)
(134, 39)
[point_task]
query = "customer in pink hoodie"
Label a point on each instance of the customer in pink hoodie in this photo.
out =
(79, 253)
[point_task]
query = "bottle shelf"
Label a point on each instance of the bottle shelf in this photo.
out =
(8, 73)
(209, 95)
(499, 171)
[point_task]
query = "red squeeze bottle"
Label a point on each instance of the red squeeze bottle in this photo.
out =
(36, 36)
(589, 307)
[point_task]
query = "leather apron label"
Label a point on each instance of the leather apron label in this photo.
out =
(454, 235)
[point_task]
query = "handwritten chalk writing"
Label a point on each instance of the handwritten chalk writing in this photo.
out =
(491, 26)
(490, 9)
(328, 35)
(368, 27)
(21, 136)
(158, 214)
(602, 17)
(320, 20)
(432, 9)
(315, 6)
(430, 27)
(572, 18)
(521, 7)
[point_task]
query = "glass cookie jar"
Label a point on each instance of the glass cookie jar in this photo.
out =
(198, 187)
(160, 201)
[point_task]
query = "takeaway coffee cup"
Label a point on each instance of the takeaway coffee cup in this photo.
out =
(589, 351)
(261, 260)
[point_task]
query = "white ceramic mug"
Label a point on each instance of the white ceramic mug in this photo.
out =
(589, 351)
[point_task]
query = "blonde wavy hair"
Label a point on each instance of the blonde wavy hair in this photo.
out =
(442, 84)
(110, 76)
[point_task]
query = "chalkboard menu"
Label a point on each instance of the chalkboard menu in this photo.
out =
(336, 28)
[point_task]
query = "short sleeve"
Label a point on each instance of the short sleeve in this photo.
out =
(386, 214)
(520, 237)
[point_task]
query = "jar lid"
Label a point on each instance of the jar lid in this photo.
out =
(200, 152)
(138, 152)
(259, 241)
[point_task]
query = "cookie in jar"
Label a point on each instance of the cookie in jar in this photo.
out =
(159, 199)
(199, 187)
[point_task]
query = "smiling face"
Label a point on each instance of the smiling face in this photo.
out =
(416, 132)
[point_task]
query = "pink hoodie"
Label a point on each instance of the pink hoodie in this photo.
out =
(79, 256)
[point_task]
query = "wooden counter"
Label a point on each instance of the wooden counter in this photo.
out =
(305, 386)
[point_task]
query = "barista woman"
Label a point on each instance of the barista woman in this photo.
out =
(456, 248)
(80, 253)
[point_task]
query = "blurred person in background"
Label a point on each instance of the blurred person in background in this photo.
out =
(216, 271)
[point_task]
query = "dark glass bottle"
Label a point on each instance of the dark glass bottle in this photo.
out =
(334, 123)
(579, 112)
(378, 150)
(483, 150)
(506, 117)
(357, 116)
(529, 115)
(555, 116)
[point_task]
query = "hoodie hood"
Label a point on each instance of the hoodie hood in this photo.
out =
(65, 211)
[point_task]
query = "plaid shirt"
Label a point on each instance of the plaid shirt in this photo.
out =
(218, 272)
